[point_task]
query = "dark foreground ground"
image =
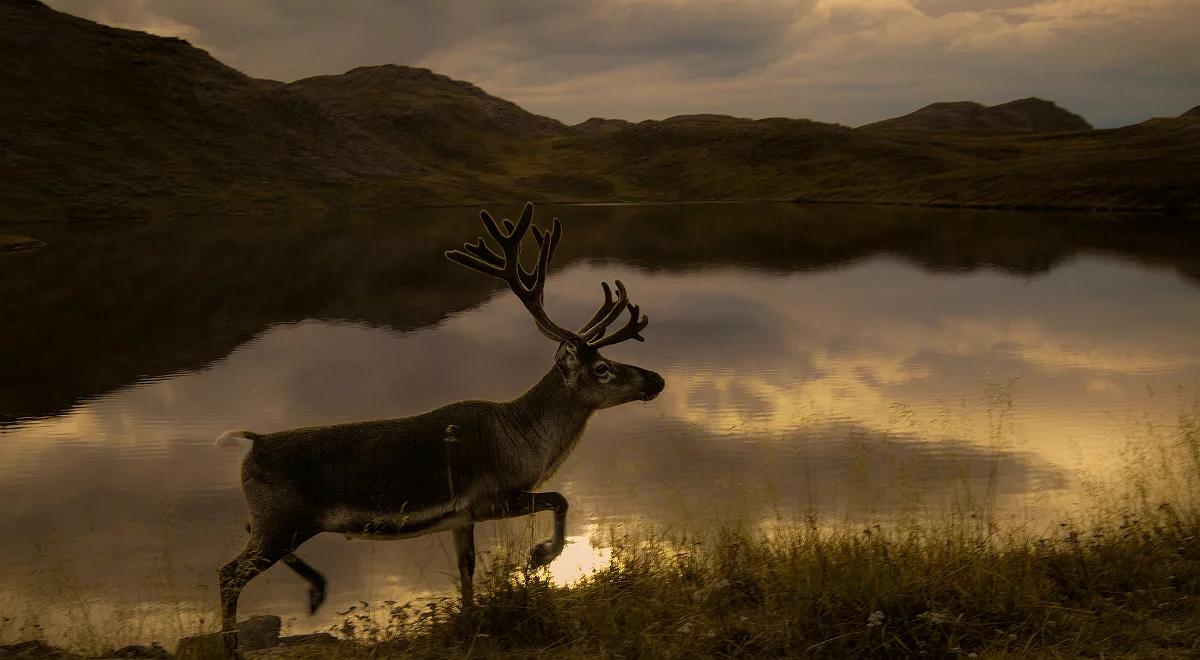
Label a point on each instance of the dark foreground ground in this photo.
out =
(1128, 588)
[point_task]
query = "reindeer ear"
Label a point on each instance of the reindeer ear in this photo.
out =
(567, 361)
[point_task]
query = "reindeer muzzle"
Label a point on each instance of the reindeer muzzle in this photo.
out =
(654, 385)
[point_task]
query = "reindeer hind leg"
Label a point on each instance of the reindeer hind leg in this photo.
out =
(316, 581)
(261, 552)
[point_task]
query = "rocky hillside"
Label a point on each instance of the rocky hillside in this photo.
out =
(104, 122)
(421, 112)
(1031, 115)
(1193, 113)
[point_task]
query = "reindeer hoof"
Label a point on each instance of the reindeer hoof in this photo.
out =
(315, 598)
(544, 553)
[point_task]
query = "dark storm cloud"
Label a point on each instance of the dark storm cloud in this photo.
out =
(849, 61)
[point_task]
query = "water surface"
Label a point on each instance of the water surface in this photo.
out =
(851, 363)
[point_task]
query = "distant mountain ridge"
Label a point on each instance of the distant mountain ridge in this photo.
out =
(1030, 115)
(600, 125)
(107, 122)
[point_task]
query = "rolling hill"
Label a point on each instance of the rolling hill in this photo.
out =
(1031, 115)
(110, 123)
(423, 113)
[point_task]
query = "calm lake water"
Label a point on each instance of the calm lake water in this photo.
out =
(851, 363)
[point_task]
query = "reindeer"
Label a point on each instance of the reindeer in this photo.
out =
(447, 469)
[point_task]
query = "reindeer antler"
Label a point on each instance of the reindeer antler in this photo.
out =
(529, 285)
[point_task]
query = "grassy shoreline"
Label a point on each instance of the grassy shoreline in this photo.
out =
(1119, 579)
(1126, 588)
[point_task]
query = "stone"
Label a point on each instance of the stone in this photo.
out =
(34, 648)
(307, 639)
(9, 242)
(139, 651)
(253, 634)
(259, 632)
(213, 646)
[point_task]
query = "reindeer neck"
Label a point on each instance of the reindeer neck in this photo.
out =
(549, 414)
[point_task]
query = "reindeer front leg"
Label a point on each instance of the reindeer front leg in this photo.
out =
(546, 551)
(528, 503)
(464, 547)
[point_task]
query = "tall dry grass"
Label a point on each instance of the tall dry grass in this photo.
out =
(1120, 578)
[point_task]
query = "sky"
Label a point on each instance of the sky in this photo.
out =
(1115, 62)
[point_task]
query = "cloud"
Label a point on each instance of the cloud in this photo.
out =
(848, 61)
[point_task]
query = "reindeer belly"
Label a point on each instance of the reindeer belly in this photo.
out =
(382, 526)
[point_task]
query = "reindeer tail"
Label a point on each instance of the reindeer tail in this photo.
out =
(230, 438)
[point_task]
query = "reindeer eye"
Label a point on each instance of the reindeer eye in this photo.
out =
(600, 368)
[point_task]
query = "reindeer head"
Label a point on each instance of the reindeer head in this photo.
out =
(600, 382)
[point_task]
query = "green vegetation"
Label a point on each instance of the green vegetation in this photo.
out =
(1124, 588)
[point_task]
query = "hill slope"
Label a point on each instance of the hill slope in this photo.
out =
(109, 122)
(1153, 165)
(117, 121)
(696, 156)
(427, 113)
(1031, 115)
(115, 118)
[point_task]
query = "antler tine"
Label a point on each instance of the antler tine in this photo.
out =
(555, 233)
(608, 312)
(632, 330)
(510, 242)
(583, 329)
(484, 253)
(512, 250)
(493, 229)
(475, 262)
(542, 267)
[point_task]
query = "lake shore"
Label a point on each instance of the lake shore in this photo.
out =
(1121, 579)
(1126, 588)
(120, 214)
